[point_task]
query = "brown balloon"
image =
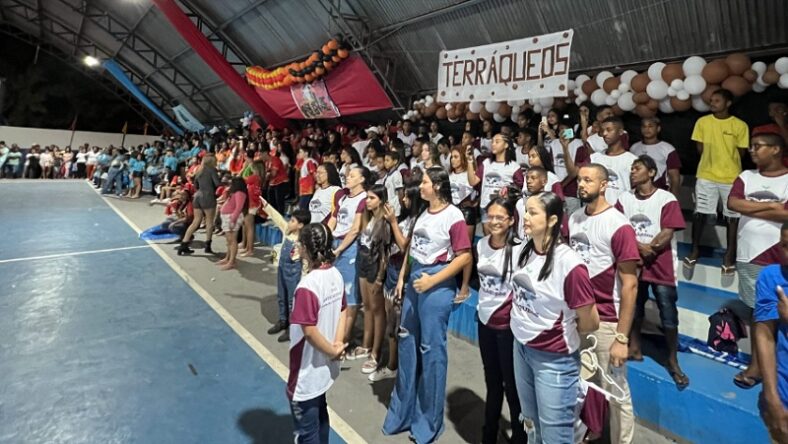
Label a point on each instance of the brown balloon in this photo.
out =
(639, 82)
(641, 98)
(485, 115)
(738, 63)
(680, 105)
(771, 76)
(617, 111)
(429, 111)
(611, 83)
(715, 71)
(750, 75)
(706, 94)
(452, 114)
(644, 111)
(588, 87)
(471, 116)
(672, 72)
(738, 85)
(653, 104)
(441, 113)
(461, 107)
(504, 110)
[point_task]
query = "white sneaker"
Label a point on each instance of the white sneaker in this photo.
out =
(381, 374)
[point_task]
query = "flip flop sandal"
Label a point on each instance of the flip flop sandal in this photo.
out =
(680, 379)
(746, 382)
(728, 270)
(689, 263)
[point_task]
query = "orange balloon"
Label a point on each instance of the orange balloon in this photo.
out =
(738, 85)
(328, 65)
(326, 50)
(320, 70)
(644, 111)
(309, 78)
(680, 105)
(715, 71)
(738, 63)
(343, 53)
(588, 87)
(336, 59)
(641, 98)
(639, 82)
(771, 76)
(333, 44)
(611, 83)
(672, 72)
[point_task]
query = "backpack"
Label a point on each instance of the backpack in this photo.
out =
(725, 330)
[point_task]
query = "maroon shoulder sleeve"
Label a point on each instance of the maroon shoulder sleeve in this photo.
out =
(558, 189)
(518, 179)
(618, 206)
(737, 190)
(673, 161)
(480, 170)
(624, 244)
(671, 216)
(458, 233)
(362, 206)
(582, 157)
(306, 305)
(578, 290)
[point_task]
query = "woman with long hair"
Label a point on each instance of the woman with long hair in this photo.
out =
(538, 156)
(553, 305)
(496, 256)
(439, 250)
(345, 225)
(327, 184)
(430, 155)
(206, 180)
(236, 205)
(463, 195)
(350, 159)
(254, 188)
(374, 243)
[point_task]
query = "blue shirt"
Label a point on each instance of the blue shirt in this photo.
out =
(766, 310)
(171, 162)
(137, 165)
(103, 159)
(150, 153)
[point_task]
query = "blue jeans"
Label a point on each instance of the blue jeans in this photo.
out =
(114, 180)
(420, 391)
(666, 297)
(310, 420)
(287, 277)
(346, 264)
(547, 384)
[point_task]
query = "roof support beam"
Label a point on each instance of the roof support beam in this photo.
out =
(421, 17)
(81, 27)
(132, 31)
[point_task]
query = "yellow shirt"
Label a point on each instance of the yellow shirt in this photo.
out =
(720, 161)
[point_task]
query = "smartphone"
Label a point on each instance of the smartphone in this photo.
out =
(568, 134)
(544, 120)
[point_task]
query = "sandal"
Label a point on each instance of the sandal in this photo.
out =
(679, 378)
(746, 382)
(728, 270)
(358, 353)
(370, 366)
(689, 263)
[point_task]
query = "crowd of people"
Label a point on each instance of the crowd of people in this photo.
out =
(578, 230)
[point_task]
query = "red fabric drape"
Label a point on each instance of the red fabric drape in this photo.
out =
(352, 86)
(217, 62)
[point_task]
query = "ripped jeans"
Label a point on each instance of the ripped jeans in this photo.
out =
(547, 385)
(420, 392)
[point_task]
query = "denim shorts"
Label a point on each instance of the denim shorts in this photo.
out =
(665, 296)
(346, 264)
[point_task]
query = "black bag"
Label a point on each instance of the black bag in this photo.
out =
(725, 330)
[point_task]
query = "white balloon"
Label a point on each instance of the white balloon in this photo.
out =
(515, 110)
(454, 120)
(499, 118)
(491, 106)
(544, 111)
(759, 81)
(759, 67)
(626, 77)
(625, 102)
(757, 87)
(429, 99)
(598, 97)
(610, 101)
(579, 80)
(615, 94)
(520, 103)
(671, 92)
(657, 89)
(578, 91)
(655, 71)
(475, 107)
(602, 76)
(546, 102)
(682, 95)
(677, 84)
(694, 84)
(448, 107)
(783, 83)
(514, 117)
(699, 104)
(624, 87)
(579, 100)
(570, 84)
(582, 97)
(405, 116)
(511, 102)
(665, 107)
(693, 66)
(781, 65)
(537, 108)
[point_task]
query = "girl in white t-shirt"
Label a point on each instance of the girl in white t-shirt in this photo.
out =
(463, 195)
(553, 301)
(496, 256)
(316, 332)
(350, 159)
(439, 250)
(327, 184)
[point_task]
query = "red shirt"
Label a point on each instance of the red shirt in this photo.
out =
(254, 185)
(276, 171)
(306, 176)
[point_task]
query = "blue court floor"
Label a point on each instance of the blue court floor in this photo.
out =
(113, 346)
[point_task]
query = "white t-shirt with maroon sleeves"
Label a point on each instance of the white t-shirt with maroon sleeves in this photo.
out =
(497, 175)
(603, 241)
(648, 216)
(461, 189)
(618, 169)
(318, 301)
(759, 239)
(437, 237)
(495, 293)
(543, 311)
(664, 155)
(322, 203)
(346, 211)
(559, 163)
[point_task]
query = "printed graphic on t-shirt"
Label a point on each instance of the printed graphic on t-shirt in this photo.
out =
(493, 182)
(524, 294)
(344, 218)
(642, 225)
(421, 241)
(459, 192)
(582, 245)
(612, 180)
(763, 195)
(491, 281)
(314, 205)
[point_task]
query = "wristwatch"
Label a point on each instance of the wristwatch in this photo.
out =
(622, 338)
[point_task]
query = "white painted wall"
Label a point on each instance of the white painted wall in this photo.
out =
(25, 137)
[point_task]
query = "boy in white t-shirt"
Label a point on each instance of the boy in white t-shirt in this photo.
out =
(316, 331)
(663, 153)
(615, 158)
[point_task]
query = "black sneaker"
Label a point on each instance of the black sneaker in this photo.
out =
(279, 326)
(284, 337)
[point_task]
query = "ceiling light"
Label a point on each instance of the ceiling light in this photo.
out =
(91, 61)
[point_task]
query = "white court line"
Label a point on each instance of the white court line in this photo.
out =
(339, 425)
(77, 253)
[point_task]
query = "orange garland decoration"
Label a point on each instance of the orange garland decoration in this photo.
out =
(318, 64)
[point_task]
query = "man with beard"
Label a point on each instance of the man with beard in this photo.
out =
(612, 265)
(615, 158)
(655, 214)
(759, 196)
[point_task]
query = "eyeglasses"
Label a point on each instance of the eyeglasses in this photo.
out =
(757, 146)
(498, 218)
